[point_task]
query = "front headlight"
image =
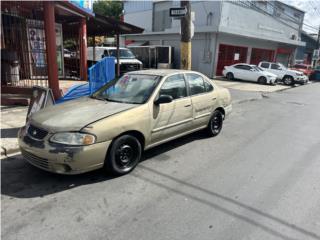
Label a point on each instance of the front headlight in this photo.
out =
(73, 138)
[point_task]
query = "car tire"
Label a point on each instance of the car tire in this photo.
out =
(262, 80)
(124, 155)
(215, 123)
(287, 80)
(230, 76)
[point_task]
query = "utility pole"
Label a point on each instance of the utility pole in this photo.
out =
(185, 46)
(318, 41)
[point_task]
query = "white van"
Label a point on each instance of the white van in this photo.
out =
(128, 61)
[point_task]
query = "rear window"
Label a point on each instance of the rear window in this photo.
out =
(265, 65)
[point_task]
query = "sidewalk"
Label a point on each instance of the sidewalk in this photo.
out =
(12, 118)
(249, 86)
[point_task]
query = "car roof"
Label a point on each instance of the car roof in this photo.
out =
(162, 72)
(242, 64)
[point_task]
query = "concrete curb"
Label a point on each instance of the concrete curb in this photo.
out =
(6, 152)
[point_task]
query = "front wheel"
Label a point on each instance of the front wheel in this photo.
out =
(262, 80)
(124, 155)
(230, 76)
(215, 124)
(288, 80)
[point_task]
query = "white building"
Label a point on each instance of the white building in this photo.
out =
(226, 32)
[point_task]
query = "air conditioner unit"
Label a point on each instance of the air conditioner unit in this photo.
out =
(294, 37)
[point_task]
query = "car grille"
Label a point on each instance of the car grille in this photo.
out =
(129, 67)
(37, 133)
(35, 160)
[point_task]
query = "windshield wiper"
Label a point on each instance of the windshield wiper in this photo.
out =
(118, 101)
(98, 98)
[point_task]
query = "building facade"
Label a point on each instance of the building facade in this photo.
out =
(226, 32)
(304, 53)
(33, 34)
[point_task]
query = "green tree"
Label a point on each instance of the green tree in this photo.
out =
(108, 8)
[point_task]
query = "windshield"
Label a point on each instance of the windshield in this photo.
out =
(131, 88)
(257, 68)
(282, 66)
(124, 53)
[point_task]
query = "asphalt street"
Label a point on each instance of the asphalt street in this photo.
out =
(259, 179)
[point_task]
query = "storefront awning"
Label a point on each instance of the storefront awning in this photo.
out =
(102, 26)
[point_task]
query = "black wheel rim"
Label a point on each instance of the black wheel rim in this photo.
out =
(287, 80)
(126, 155)
(216, 123)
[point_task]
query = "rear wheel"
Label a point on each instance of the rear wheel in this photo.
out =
(215, 124)
(287, 80)
(124, 155)
(262, 80)
(230, 76)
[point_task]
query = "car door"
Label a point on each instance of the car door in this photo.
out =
(238, 71)
(276, 69)
(174, 118)
(203, 97)
(247, 73)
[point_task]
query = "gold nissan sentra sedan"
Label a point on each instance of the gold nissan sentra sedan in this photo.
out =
(113, 126)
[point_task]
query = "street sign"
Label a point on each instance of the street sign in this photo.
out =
(178, 12)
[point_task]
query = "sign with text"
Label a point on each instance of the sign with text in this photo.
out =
(178, 12)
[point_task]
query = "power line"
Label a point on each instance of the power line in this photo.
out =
(313, 27)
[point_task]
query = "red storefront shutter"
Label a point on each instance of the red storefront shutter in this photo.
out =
(229, 55)
(259, 55)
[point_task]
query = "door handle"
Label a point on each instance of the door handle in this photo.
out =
(188, 105)
(214, 98)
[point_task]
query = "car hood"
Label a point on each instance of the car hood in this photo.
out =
(76, 114)
(294, 71)
(128, 61)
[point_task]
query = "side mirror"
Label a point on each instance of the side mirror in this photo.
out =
(163, 99)
(252, 70)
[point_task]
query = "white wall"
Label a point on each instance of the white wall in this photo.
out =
(201, 43)
(140, 19)
(139, 13)
(247, 22)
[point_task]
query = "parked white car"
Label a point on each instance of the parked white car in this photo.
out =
(249, 72)
(287, 76)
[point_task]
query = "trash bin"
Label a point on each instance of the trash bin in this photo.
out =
(14, 72)
(10, 73)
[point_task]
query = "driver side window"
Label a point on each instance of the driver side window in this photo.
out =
(174, 86)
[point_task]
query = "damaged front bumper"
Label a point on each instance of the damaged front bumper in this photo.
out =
(60, 158)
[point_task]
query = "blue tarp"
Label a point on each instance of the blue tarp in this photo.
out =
(99, 74)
